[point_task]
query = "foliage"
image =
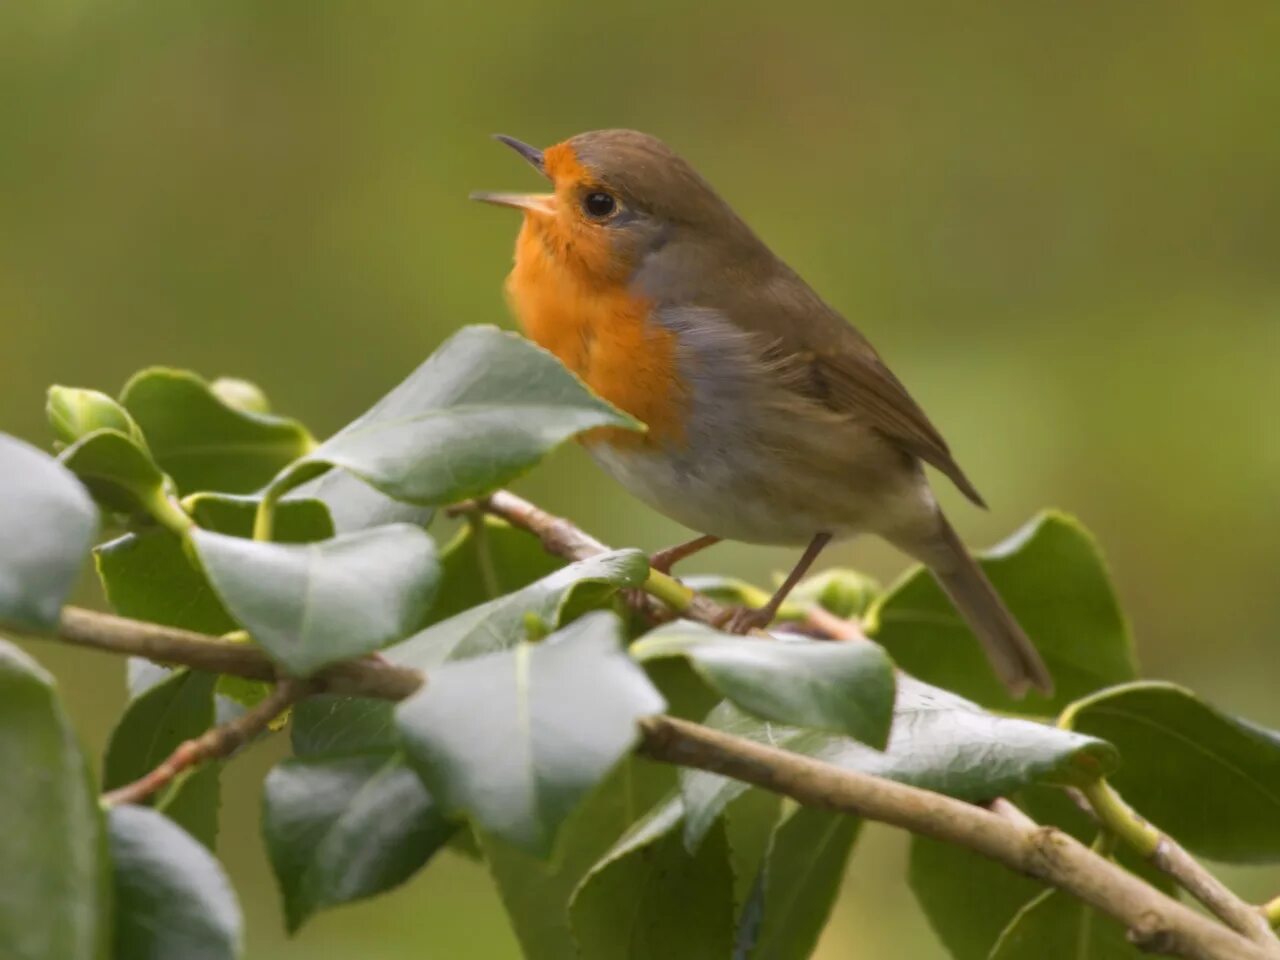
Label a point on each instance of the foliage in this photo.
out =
(226, 519)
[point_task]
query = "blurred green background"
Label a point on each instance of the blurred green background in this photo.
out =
(1059, 222)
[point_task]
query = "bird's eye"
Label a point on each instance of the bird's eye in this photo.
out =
(599, 204)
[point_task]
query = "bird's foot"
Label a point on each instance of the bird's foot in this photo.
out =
(742, 620)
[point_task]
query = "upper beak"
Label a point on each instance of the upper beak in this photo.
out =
(536, 202)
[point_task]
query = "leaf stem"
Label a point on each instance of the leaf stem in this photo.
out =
(669, 590)
(167, 512)
(484, 555)
(1120, 818)
(264, 520)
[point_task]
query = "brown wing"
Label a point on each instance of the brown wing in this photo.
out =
(844, 371)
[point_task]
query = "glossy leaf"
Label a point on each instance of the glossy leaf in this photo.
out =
(74, 413)
(327, 725)
(354, 505)
(536, 891)
(310, 605)
(343, 828)
(843, 687)
(480, 565)
(172, 898)
(501, 623)
(178, 708)
(205, 443)
(518, 738)
(797, 885)
(1057, 925)
(148, 576)
(47, 522)
(649, 897)
(1207, 778)
(481, 410)
(297, 519)
(939, 741)
(52, 847)
(1052, 576)
(118, 472)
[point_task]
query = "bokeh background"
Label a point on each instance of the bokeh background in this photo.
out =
(1059, 222)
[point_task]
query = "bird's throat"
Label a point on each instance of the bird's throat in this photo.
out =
(603, 332)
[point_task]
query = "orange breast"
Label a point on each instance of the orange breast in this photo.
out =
(600, 331)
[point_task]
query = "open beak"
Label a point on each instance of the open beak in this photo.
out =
(534, 202)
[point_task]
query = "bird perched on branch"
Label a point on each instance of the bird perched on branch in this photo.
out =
(770, 419)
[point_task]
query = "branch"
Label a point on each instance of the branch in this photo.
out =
(1171, 858)
(213, 744)
(1157, 923)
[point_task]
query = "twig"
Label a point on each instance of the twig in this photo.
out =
(1157, 923)
(213, 744)
(1170, 857)
(369, 677)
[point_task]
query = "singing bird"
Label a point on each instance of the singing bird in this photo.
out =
(771, 420)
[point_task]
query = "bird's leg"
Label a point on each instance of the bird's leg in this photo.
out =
(746, 619)
(664, 560)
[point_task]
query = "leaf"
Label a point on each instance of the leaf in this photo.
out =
(939, 741)
(343, 828)
(480, 411)
(515, 559)
(47, 522)
(1056, 924)
(328, 724)
(748, 827)
(172, 898)
(52, 855)
(649, 897)
(842, 687)
(500, 624)
(536, 891)
(1205, 777)
(354, 505)
(517, 739)
(74, 413)
(297, 519)
(797, 884)
(148, 576)
(1052, 576)
(313, 604)
(178, 708)
(205, 443)
(846, 593)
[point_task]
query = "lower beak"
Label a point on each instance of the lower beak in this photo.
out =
(533, 202)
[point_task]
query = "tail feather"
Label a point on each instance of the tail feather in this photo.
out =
(1012, 655)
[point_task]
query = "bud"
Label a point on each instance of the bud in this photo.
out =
(74, 413)
(241, 395)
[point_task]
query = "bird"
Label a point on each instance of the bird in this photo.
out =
(770, 419)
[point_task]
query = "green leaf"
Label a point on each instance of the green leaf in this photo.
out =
(241, 394)
(1052, 576)
(74, 413)
(178, 708)
(118, 472)
(1055, 925)
(205, 443)
(516, 739)
(480, 565)
(846, 593)
(313, 604)
(343, 828)
(1205, 777)
(47, 522)
(481, 410)
(842, 687)
(748, 825)
(328, 724)
(797, 884)
(297, 519)
(939, 741)
(649, 897)
(172, 898)
(500, 624)
(354, 505)
(52, 855)
(148, 576)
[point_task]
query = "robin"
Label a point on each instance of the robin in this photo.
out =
(770, 419)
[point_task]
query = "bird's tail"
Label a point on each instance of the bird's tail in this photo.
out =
(1011, 653)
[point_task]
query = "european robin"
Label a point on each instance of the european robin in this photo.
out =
(770, 419)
